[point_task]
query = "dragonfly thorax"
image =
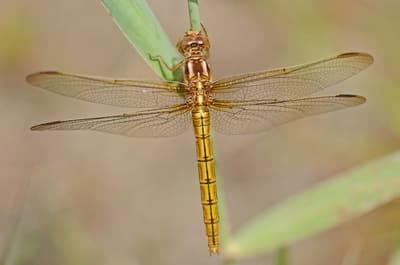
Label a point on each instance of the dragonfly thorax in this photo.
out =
(199, 94)
(194, 46)
(196, 69)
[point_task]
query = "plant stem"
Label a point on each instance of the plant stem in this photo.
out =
(282, 256)
(194, 15)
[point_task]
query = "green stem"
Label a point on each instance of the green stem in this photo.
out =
(194, 15)
(282, 256)
(225, 227)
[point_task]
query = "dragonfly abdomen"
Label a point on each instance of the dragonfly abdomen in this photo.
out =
(208, 187)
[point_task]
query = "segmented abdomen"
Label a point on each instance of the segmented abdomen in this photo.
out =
(205, 162)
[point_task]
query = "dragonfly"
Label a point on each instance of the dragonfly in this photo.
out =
(242, 104)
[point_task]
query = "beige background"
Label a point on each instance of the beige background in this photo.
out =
(92, 198)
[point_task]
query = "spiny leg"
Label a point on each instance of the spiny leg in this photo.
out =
(162, 62)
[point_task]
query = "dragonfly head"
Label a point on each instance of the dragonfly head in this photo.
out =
(193, 42)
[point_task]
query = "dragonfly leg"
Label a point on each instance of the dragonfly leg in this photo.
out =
(161, 61)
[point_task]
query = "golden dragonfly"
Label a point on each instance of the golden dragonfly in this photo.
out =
(242, 104)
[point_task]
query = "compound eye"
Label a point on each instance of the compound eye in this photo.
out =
(200, 40)
(182, 46)
(179, 47)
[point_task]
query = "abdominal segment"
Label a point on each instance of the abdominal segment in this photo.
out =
(205, 162)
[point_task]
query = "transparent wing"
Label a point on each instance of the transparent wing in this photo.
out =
(260, 115)
(124, 93)
(292, 82)
(150, 123)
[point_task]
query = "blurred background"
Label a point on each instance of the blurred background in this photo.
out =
(92, 198)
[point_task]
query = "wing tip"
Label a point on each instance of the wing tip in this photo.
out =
(360, 99)
(368, 58)
(44, 126)
(36, 127)
(31, 78)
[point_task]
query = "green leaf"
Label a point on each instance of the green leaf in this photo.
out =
(142, 29)
(328, 204)
(395, 260)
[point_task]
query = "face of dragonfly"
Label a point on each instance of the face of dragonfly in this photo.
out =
(242, 104)
(194, 42)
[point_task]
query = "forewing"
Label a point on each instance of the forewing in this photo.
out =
(124, 93)
(257, 116)
(292, 82)
(150, 123)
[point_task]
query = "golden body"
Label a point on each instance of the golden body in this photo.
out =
(197, 77)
